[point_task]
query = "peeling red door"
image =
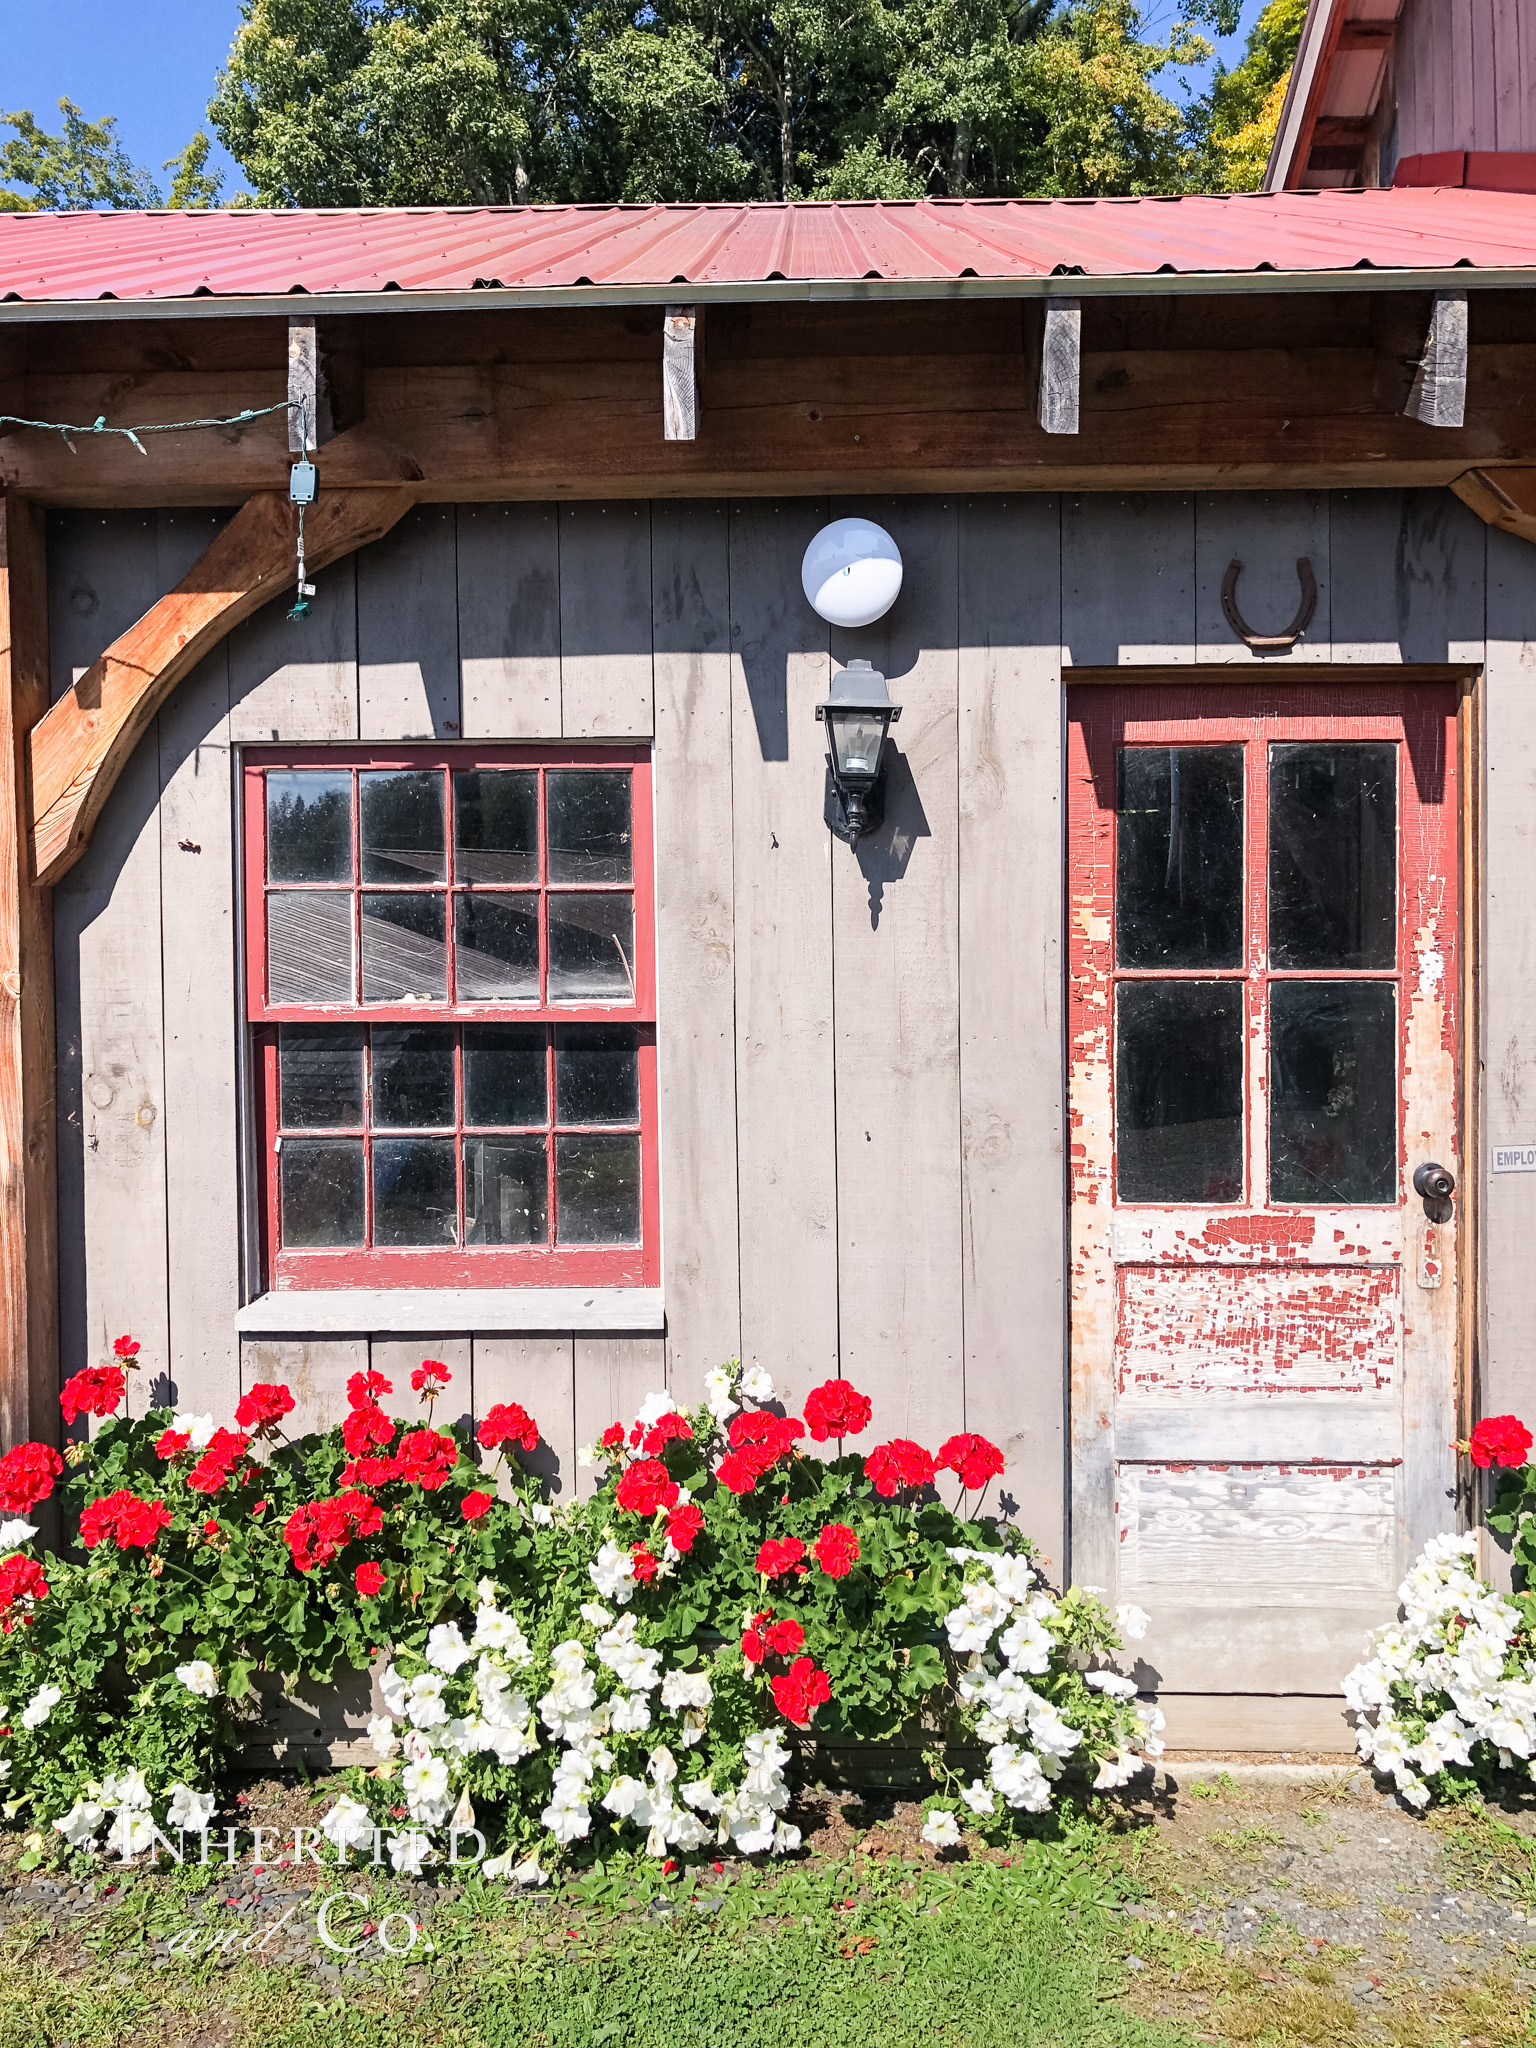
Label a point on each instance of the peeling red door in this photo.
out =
(1263, 960)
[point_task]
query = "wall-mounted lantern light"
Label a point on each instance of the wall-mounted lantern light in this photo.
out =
(858, 715)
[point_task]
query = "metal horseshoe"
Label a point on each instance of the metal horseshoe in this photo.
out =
(1270, 642)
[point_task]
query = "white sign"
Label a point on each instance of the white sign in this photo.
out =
(1514, 1158)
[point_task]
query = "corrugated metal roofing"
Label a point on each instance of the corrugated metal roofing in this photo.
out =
(76, 257)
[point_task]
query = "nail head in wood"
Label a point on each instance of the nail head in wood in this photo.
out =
(1061, 365)
(1439, 394)
(679, 373)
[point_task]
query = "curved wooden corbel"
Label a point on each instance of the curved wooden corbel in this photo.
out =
(1269, 643)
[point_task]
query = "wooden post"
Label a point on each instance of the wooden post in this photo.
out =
(1439, 394)
(311, 427)
(29, 1324)
(1061, 366)
(680, 373)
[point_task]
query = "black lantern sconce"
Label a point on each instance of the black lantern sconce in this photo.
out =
(858, 715)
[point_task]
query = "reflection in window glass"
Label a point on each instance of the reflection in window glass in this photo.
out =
(320, 1076)
(405, 948)
(506, 1191)
(1179, 857)
(414, 1197)
(505, 1074)
(309, 825)
(412, 1075)
(591, 948)
(597, 1074)
(322, 1191)
(496, 825)
(1179, 1091)
(401, 826)
(1333, 1092)
(496, 948)
(589, 825)
(309, 946)
(1333, 854)
(597, 1180)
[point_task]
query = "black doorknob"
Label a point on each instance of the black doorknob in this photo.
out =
(1434, 1182)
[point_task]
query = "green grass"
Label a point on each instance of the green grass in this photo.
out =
(867, 1953)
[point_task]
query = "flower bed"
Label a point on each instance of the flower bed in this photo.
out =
(640, 1664)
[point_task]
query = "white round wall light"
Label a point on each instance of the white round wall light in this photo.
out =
(852, 572)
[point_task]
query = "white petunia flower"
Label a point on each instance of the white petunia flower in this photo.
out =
(941, 1828)
(757, 1384)
(200, 1677)
(597, 1614)
(347, 1825)
(652, 1409)
(630, 1713)
(425, 1788)
(130, 1834)
(541, 1512)
(501, 1632)
(680, 1689)
(14, 1533)
(40, 1706)
(188, 1810)
(1132, 1622)
(980, 1797)
(446, 1648)
(79, 1825)
(612, 1571)
(1112, 1683)
(381, 1733)
(717, 1393)
(408, 1851)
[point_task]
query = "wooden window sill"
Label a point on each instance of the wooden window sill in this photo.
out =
(438, 1311)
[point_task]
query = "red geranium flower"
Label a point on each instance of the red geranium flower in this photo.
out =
(644, 1562)
(508, 1423)
(369, 1580)
(800, 1691)
(758, 1440)
(315, 1533)
(663, 1431)
(95, 1390)
(738, 1471)
(780, 1554)
(646, 1486)
(365, 1424)
(133, 1524)
(125, 1347)
(27, 1473)
(1499, 1440)
(263, 1408)
(172, 1442)
(837, 1550)
(613, 1436)
(754, 1646)
(474, 1505)
(784, 1638)
(974, 1459)
(836, 1409)
(363, 1511)
(889, 1467)
(426, 1456)
(368, 1472)
(430, 1378)
(683, 1524)
(211, 1527)
(21, 1578)
(365, 1387)
(215, 1468)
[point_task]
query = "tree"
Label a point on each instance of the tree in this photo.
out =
(1235, 128)
(86, 166)
(190, 182)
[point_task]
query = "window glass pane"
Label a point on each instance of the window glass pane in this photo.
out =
(320, 1076)
(589, 825)
(405, 948)
(496, 825)
(506, 1191)
(1179, 1091)
(1179, 857)
(591, 948)
(1333, 854)
(414, 1200)
(1333, 1092)
(309, 946)
(505, 1074)
(322, 1191)
(597, 1074)
(496, 948)
(309, 825)
(598, 1189)
(401, 828)
(412, 1075)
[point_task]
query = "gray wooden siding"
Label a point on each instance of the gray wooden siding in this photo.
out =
(1465, 70)
(862, 1120)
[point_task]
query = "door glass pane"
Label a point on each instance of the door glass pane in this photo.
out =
(322, 1191)
(401, 827)
(1179, 1091)
(591, 948)
(496, 825)
(414, 1201)
(505, 1074)
(496, 948)
(309, 825)
(1333, 1092)
(598, 1188)
(309, 946)
(1179, 857)
(597, 1075)
(589, 825)
(506, 1191)
(405, 948)
(1333, 854)
(320, 1077)
(412, 1076)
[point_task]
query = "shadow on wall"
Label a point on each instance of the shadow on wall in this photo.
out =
(884, 854)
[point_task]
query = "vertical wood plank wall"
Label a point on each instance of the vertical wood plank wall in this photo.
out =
(1462, 68)
(862, 1115)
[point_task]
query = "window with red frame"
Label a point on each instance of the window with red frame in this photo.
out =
(452, 985)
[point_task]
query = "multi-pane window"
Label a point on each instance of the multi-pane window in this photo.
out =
(449, 962)
(1256, 904)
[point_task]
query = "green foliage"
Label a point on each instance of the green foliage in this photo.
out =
(190, 183)
(84, 166)
(1236, 123)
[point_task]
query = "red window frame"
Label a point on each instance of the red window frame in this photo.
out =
(463, 1265)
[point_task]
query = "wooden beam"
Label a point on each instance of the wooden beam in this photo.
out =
(681, 333)
(1061, 364)
(1505, 498)
(77, 751)
(1439, 394)
(309, 423)
(29, 1327)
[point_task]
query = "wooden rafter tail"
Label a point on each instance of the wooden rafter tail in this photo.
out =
(76, 753)
(1505, 498)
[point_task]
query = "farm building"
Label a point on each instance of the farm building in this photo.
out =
(467, 964)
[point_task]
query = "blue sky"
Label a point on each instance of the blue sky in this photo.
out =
(152, 64)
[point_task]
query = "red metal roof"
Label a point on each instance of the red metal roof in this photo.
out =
(77, 257)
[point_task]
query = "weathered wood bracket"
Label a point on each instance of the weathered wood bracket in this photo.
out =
(307, 388)
(77, 751)
(681, 333)
(1270, 643)
(1439, 394)
(1061, 362)
(1505, 498)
